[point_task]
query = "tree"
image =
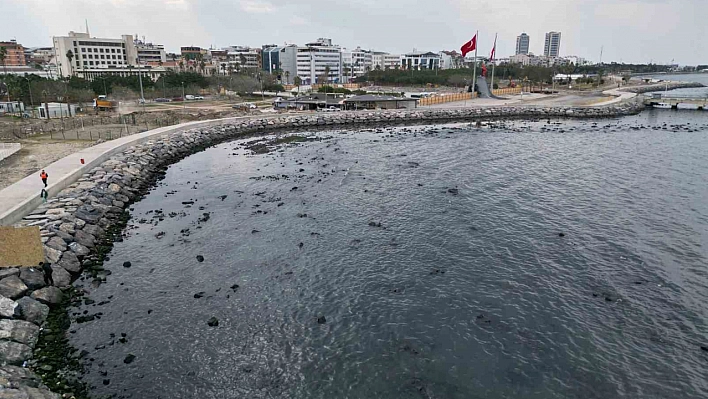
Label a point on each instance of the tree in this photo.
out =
(457, 80)
(181, 65)
(298, 82)
(70, 56)
(287, 77)
(242, 60)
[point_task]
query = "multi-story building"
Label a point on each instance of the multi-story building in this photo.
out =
(243, 57)
(150, 54)
(451, 60)
(385, 61)
(420, 60)
(553, 44)
(282, 59)
(39, 55)
(356, 62)
(577, 61)
(522, 44)
(191, 52)
(319, 62)
(15, 55)
(78, 52)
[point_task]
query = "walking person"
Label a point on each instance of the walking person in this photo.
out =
(44, 176)
(44, 195)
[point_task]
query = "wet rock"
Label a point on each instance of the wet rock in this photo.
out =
(14, 353)
(300, 245)
(19, 331)
(9, 271)
(8, 307)
(129, 358)
(85, 238)
(254, 231)
(51, 255)
(68, 238)
(321, 320)
(32, 277)
(93, 230)
(48, 295)
(561, 234)
(704, 348)
(223, 197)
(60, 277)
(106, 382)
(375, 224)
(33, 311)
(199, 295)
(70, 262)
(12, 287)
(200, 258)
(127, 264)
(437, 271)
(79, 249)
(234, 287)
(213, 322)
(453, 191)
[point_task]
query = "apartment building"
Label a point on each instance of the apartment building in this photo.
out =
(241, 57)
(522, 44)
(420, 60)
(316, 58)
(150, 54)
(385, 61)
(280, 58)
(15, 53)
(78, 52)
(552, 46)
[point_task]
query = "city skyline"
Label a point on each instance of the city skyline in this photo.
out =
(619, 27)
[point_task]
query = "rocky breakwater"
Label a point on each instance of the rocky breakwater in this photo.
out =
(663, 86)
(80, 224)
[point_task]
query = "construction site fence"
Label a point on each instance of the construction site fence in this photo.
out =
(453, 97)
(7, 149)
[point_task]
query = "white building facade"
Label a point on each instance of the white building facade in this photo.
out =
(243, 57)
(90, 53)
(149, 53)
(383, 61)
(315, 59)
(280, 58)
(420, 60)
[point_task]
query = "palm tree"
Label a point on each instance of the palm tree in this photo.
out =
(327, 70)
(181, 65)
(242, 59)
(223, 67)
(70, 56)
(202, 66)
(298, 82)
(287, 77)
(3, 55)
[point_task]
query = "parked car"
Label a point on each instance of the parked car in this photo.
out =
(189, 97)
(198, 97)
(244, 106)
(177, 99)
(162, 100)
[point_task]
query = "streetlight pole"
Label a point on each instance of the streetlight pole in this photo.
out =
(184, 102)
(140, 79)
(105, 92)
(29, 86)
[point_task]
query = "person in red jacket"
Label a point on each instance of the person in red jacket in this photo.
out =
(44, 176)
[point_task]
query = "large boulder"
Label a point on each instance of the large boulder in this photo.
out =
(60, 277)
(57, 243)
(84, 238)
(51, 255)
(94, 230)
(32, 310)
(8, 307)
(12, 287)
(32, 277)
(70, 262)
(14, 353)
(48, 295)
(79, 249)
(20, 331)
(8, 271)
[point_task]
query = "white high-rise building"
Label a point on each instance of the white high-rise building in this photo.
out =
(149, 53)
(356, 62)
(316, 58)
(522, 44)
(552, 45)
(385, 61)
(92, 53)
(280, 58)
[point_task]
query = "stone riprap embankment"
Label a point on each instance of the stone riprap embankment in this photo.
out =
(663, 86)
(80, 224)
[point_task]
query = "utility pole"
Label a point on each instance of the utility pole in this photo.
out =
(29, 86)
(140, 79)
(184, 102)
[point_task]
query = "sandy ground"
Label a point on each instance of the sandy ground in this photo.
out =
(35, 155)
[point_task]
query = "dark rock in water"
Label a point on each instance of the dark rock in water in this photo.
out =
(321, 320)
(106, 382)
(453, 191)
(32, 310)
(234, 287)
(302, 215)
(561, 234)
(223, 197)
(129, 359)
(437, 271)
(200, 258)
(48, 295)
(187, 202)
(254, 231)
(300, 245)
(375, 224)
(705, 348)
(127, 264)
(199, 295)
(213, 322)
(293, 189)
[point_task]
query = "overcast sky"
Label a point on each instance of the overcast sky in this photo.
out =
(629, 30)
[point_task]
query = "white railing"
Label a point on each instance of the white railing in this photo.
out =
(7, 149)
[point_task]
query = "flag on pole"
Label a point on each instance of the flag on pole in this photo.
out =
(494, 49)
(469, 46)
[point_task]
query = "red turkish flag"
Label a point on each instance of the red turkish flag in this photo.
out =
(469, 46)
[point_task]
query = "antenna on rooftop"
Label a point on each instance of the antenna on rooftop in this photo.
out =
(87, 29)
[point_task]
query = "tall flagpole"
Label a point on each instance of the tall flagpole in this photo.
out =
(474, 71)
(494, 64)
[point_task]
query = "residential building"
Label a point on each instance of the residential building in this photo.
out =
(90, 53)
(451, 60)
(521, 59)
(240, 57)
(577, 61)
(150, 54)
(315, 59)
(356, 62)
(553, 43)
(522, 44)
(191, 52)
(280, 58)
(420, 60)
(385, 61)
(38, 55)
(15, 53)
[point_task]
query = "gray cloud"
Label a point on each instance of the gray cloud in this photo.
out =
(628, 30)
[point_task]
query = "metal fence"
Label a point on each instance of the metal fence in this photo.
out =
(7, 149)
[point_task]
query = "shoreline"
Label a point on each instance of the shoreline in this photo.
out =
(80, 223)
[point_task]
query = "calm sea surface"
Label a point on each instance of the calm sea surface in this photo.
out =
(465, 290)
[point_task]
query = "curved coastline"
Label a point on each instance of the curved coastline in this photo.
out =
(79, 225)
